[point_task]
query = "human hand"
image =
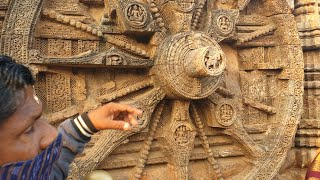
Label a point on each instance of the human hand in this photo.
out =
(114, 116)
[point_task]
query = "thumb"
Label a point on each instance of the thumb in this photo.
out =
(119, 125)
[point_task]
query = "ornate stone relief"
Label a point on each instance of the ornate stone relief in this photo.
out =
(223, 24)
(220, 82)
(307, 137)
(226, 113)
(136, 15)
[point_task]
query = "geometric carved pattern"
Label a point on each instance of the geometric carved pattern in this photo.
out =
(58, 92)
(59, 48)
(84, 46)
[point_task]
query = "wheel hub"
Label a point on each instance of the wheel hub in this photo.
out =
(189, 65)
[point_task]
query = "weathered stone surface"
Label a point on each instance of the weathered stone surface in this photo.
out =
(220, 82)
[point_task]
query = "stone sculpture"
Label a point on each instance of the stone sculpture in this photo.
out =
(220, 81)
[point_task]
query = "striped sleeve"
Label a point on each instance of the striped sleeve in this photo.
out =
(84, 126)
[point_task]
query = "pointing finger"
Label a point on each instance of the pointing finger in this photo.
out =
(124, 107)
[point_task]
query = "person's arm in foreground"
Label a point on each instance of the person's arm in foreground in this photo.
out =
(77, 132)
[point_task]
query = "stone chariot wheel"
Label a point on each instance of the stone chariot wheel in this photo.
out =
(220, 82)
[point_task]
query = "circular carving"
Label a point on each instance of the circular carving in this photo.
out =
(225, 24)
(136, 15)
(226, 114)
(185, 5)
(191, 68)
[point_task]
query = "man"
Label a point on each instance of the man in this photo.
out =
(30, 148)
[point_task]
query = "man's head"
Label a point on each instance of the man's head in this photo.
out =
(23, 134)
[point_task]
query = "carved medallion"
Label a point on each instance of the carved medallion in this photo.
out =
(136, 15)
(223, 23)
(186, 5)
(226, 114)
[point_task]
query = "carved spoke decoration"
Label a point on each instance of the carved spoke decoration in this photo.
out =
(220, 82)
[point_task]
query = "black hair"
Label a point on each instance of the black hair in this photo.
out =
(14, 78)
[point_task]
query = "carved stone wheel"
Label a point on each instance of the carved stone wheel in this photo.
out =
(220, 82)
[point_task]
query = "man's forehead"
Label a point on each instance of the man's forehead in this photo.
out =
(32, 102)
(30, 107)
(26, 113)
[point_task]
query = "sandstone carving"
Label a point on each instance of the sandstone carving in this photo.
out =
(220, 81)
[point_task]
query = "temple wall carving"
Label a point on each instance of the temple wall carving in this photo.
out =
(229, 88)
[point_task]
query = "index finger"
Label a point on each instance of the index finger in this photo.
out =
(127, 108)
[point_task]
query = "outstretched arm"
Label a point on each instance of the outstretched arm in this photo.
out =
(77, 132)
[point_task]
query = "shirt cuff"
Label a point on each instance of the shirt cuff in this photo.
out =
(84, 126)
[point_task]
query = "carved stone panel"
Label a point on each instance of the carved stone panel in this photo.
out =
(220, 82)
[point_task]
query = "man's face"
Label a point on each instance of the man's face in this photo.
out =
(25, 134)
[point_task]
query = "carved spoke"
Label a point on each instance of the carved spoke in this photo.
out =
(125, 91)
(265, 108)
(110, 59)
(242, 137)
(178, 137)
(225, 92)
(248, 30)
(228, 116)
(251, 33)
(114, 138)
(72, 22)
(127, 46)
(204, 139)
(147, 143)
(197, 14)
(91, 104)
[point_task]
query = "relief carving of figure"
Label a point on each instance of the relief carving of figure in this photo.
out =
(212, 60)
(226, 112)
(182, 135)
(115, 60)
(136, 13)
(224, 23)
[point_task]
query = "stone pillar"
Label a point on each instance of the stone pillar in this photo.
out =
(308, 137)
